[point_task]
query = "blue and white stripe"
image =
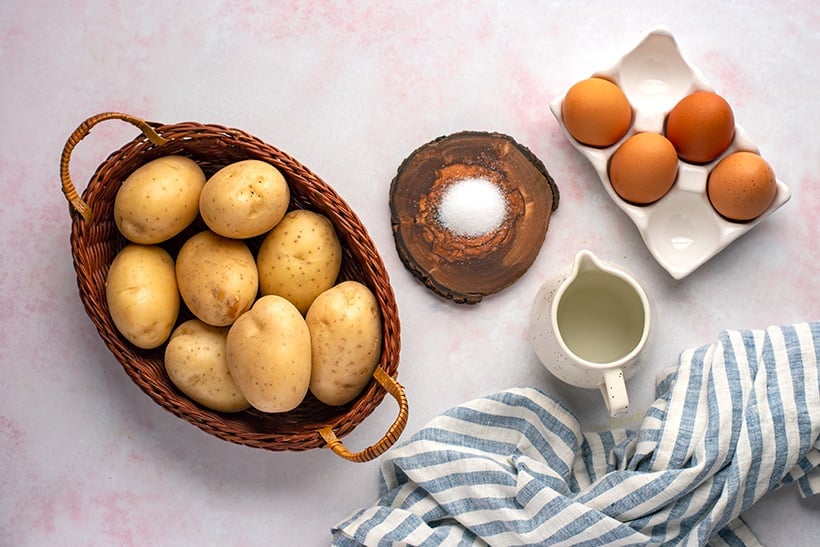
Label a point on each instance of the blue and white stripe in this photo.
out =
(735, 420)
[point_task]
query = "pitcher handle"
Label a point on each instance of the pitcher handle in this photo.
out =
(613, 389)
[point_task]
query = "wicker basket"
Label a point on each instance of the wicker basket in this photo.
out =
(95, 241)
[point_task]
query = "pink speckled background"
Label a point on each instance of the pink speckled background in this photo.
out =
(351, 88)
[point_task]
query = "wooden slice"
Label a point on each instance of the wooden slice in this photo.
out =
(460, 268)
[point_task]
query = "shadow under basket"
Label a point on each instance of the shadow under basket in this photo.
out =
(95, 241)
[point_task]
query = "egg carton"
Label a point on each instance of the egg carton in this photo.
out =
(681, 230)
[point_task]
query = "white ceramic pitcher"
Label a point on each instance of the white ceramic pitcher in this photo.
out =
(588, 326)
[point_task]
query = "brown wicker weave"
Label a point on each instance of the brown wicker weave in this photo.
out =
(95, 241)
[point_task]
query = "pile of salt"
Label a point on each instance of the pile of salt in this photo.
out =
(472, 207)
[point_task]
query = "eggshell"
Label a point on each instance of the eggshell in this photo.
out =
(701, 126)
(596, 112)
(741, 186)
(643, 169)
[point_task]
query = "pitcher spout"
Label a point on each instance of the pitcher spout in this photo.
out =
(586, 261)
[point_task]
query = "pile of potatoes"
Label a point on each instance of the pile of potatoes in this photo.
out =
(269, 327)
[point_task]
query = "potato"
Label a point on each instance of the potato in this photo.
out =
(300, 258)
(345, 342)
(244, 199)
(159, 199)
(217, 278)
(269, 355)
(197, 363)
(142, 296)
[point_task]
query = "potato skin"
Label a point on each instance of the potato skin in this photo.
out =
(268, 352)
(217, 278)
(346, 340)
(244, 199)
(300, 258)
(197, 364)
(159, 199)
(142, 296)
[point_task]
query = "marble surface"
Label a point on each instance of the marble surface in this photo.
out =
(351, 88)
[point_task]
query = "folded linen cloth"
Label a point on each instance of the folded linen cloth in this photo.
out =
(732, 421)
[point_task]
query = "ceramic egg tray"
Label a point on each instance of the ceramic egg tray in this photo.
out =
(681, 230)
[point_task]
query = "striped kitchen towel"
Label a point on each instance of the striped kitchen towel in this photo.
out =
(732, 421)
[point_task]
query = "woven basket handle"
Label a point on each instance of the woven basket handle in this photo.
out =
(397, 391)
(79, 134)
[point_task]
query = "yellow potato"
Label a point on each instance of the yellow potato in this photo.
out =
(345, 340)
(217, 278)
(142, 296)
(268, 351)
(244, 199)
(196, 362)
(159, 200)
(300, 258)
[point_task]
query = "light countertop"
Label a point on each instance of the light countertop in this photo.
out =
(350, 89)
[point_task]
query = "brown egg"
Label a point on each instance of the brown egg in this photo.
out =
(701, 126)
(643, 168)
(741, 186)
(596, 112)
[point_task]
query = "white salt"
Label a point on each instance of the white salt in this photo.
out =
(472, 207)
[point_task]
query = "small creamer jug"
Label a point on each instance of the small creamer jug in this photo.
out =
(588, 326)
